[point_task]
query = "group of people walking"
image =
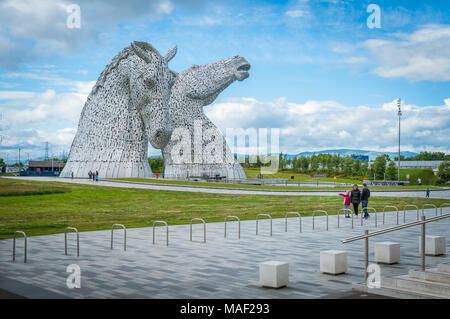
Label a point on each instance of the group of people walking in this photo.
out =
(356, 197)
(93, 176)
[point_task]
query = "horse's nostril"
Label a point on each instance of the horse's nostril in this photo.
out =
(244, 67)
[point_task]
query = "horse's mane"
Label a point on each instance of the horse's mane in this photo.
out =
(111, 66)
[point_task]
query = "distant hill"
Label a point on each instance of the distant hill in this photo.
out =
(346, 152)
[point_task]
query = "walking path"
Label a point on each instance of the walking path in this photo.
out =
(222, 190)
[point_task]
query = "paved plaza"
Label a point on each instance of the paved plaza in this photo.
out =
(219, 268)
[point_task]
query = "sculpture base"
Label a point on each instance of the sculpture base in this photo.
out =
(108, 169)
(182, 171)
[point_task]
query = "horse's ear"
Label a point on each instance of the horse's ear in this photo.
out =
(171, 53)
(142, 49)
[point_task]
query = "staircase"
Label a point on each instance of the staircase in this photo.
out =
(433, 283)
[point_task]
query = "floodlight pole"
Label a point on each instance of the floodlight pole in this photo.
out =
(399, 102)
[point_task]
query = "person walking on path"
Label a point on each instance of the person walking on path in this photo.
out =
(427, 193)
(346, 203)
(90, 175)
(72, 175)
(365, 200)
(355, 198)
(96, 176)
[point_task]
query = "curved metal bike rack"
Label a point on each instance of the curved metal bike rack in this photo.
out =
(263, 215)
(124, 235)
(318, 211)
(345, 209)
(404, 212)
(371, 209)
(167, 230)
(442, 206)
(396, 209)
(25, 245)
(65, 240)
(299, 220)
(225, 226)
(429, 205)
(204, 228)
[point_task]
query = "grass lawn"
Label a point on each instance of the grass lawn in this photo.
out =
(94, 207)
(298, 177)
(268, 187)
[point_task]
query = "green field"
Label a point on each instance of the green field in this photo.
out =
(267, 187)
(56, 206)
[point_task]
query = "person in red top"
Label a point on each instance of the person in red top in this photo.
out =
(346, 203)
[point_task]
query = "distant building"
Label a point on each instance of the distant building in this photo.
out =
(362, 158)
(419, 164)
(434, 165)
(43, 168)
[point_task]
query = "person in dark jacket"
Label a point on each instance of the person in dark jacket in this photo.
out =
(355, 198)
(365, 200)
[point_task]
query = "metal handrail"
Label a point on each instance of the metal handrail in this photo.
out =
(299, 219)
(265, 215)
(65, 240)
(374, 211)
(167, 230)
(239, 226)
(395, 207)
(429, 205)
(124, 235)
(367, 235)
(345, 209)
(24, 247)
(442, 206)
(404, 212)
(318, 211)
(204, 228)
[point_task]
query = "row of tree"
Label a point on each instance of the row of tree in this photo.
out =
(427, 156)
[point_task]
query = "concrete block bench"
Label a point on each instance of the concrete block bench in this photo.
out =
(274, 274)
(387, 252)
(434, 245)
(333, 262)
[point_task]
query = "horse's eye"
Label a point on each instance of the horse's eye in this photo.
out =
(150, 83)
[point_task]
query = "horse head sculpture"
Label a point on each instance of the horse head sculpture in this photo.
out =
(126, 109)
(194, 88)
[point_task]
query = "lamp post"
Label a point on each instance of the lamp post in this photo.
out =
(399, 104)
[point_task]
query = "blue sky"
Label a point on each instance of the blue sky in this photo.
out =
(317, 71)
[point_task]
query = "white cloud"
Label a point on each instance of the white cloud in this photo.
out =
(33, 28)
(297, 13)
(31, 118)
(318, 125)
(422, 55)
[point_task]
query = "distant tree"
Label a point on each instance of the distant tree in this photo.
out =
(365, 168)
(347, 166)
(356, 167)
(2, 163)
(379, 166)
(156, 164)
(304, 162)
(314, 162)
(391, 171)
(444, 171)
(428, 156)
